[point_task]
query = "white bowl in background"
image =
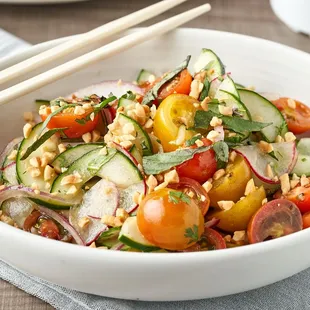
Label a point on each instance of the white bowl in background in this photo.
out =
(294, 13)
(177, 276)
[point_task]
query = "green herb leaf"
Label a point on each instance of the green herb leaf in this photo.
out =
(177, 196)
(152, 94)
(273, 155)
(205, 89)
(192, 141)
(221, 150)
(236, 124)
(42, 101)
(40, 141)
(158, 163)
(192, 234)
(129, 95)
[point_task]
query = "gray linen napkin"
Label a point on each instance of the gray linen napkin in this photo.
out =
(290, 294)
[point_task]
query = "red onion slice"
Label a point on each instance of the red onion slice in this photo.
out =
(9, 148)
(213, 222)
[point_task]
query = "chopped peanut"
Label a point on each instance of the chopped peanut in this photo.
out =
(199, 143)
(171, 177)
(279, 139)
(294, 183)
(95, 135)
(27, 130)
(153, 111)
(227, 238)
(212, 135)
(35, 172)
(6, 219)
(304, 180)
(285, 183)
(54, 108)
(196, 88)
(149, 124)
(291, 103)
(47, 157)
(35, 162)
(129, 129)
(207, 185)
(215, 121)
(92, 116)
(250, 187)
(264, 201)
(135, 197)
(61, 148)
(239, 235)
(269, 171)
(139, 110)
(295, 177)
(28, 117)
(122, 214)
(78, 110)
(265, 147)
(161, 186)
(126, 144)
(289, 137)
(93, 245)
(37, 192)
(225, 204)
(218, 174)
(87, 137)
(35, 186)
(71, 179)
(12, 155)
(204, 103)
(225, 110)
(83, 222)
(86, 106)
(151, 182)
(111, 220)
(103, 151)
(49, 173)
(232, 156)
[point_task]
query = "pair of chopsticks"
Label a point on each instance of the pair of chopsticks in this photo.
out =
(99, 54)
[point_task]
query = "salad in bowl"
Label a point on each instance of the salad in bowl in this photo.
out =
(179, 162)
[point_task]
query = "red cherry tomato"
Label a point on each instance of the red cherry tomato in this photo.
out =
(201, 167)
(31, 220)
(277, 218)
(49, 229)
(298, 118)
(306, 220)
(300, 196)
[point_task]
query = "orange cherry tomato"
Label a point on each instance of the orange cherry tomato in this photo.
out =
(306, 220)
(201, 167)
(298, 118)
(49, 229)
(276, 218)
(170, 220)
(64, 119)
(300, 196)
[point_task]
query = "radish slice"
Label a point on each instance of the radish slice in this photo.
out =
(126, 153)
(118, 246)
(126, 196)
(9, 173)
(285, 152)
(105, 88)
(9, 148)
(102, 199)
(63, 222)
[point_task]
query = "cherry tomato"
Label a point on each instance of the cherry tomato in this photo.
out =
(31, 220)
(306, 220)
(201, 167)
(210, 240)
(75, 130)
(277, 218)
(49, 229)
(300, 196)
(169, 220)
(239, 216)
(298, 119)
(232, 185)
(187, 184)
(175, 111)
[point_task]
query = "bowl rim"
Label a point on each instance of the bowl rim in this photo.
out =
(169, 258)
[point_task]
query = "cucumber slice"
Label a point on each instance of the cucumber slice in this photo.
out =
(136, 154)
(82, 167)
(66, 158)
(22, 166)
(123, 102)
(145, 76)
(219, 85)
(208, 60)
(142, 137)
(131, 236)
(109, 238)
(264, 111)
(303, 160)
(121, 171)
(239, 86)
(9, 173)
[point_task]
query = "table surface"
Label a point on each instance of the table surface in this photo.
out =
(45, 22)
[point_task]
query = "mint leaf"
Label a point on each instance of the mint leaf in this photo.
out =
(177, 196)
(192, 141)
(221, 150)
(152, 94)
(158, 163)
(205, 89)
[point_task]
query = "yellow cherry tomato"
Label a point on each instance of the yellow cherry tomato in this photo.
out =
(174, 115)
(239, 216)
(232, 185)
(170, 219)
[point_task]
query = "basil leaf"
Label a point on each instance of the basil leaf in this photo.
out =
(221, 150)
(152, 94)
(158, 163)
(203, 118)
(40, 141)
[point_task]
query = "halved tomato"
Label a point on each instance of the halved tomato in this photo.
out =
(306, 220)
(277, 218)
(298, 118)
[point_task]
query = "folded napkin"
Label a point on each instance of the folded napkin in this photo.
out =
(290, 294)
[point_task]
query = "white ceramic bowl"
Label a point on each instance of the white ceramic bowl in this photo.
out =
(269, 66)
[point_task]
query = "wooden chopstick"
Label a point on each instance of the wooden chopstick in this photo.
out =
(94, 35)
(99, 54)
